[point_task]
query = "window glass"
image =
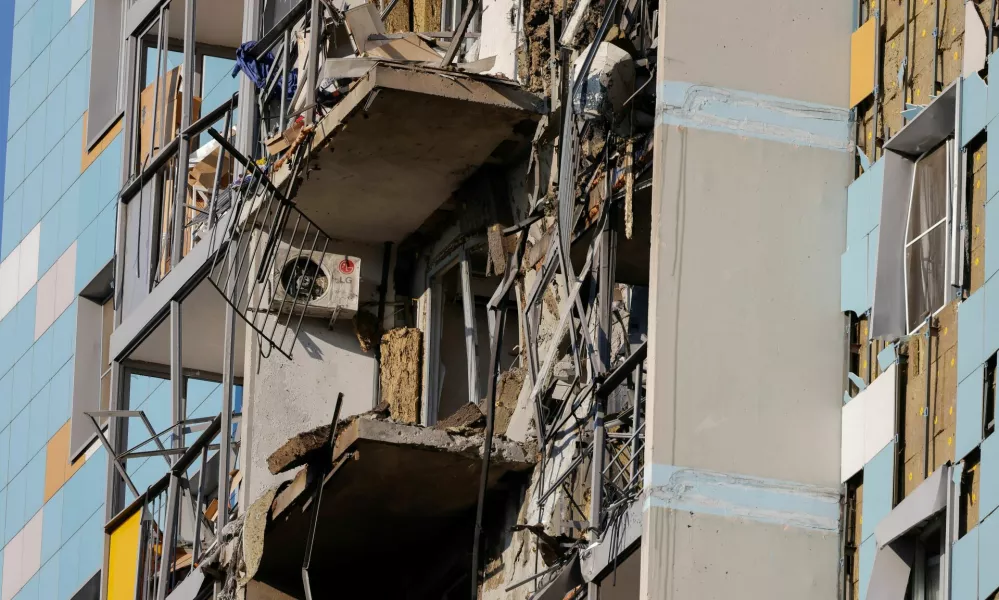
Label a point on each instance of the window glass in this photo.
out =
(925, 272)
(925, 251)
(929, 193)
(932, 579)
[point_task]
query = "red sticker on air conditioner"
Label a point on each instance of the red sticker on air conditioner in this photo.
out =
(346, 266)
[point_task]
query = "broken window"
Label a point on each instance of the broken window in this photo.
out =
(927, 237)
(93, 360)
(463, 337)
(919, 260)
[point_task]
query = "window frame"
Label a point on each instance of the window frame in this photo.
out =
(925, 556)
(96, 134)
(88, 391)
(947, 146)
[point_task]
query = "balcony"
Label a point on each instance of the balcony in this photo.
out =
(401, 141)
(383, 483)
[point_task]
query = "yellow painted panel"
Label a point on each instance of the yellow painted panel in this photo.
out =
(56, 461)
(123, 561)
(862, 62)
(58, 469)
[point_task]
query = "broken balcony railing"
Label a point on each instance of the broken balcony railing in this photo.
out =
(621, 459)
(177, 512)
(203, 183)
(615, 450)
(270, 260)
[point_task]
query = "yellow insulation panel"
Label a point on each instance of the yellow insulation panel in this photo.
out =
(862, 62)
(123, 562)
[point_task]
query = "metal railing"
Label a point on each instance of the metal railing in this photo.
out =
(205, 181)
(621, 460)
(178, 514)
(272, 263)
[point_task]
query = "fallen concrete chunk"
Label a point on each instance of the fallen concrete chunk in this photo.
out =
(298, 450)
(401, 369)
(467, 416)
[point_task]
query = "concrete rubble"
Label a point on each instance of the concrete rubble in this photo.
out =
(539, 456)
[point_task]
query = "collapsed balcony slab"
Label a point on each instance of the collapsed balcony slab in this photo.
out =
(412, 487)
(401, 141)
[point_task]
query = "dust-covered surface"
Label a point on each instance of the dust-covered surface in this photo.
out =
(298, 450)
(401, 371)
(507, 393)
(538, 32)
(467, 417)
(234, 557)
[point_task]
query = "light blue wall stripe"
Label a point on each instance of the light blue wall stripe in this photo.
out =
(755, 498)
(754, 115)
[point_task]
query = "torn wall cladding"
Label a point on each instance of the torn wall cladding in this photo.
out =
(925, 288)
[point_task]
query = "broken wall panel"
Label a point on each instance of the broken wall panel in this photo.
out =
(970, 495)
(978, 195)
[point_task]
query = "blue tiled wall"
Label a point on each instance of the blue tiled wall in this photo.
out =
(43, 185)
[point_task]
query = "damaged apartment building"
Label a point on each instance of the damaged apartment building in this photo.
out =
(498, 299)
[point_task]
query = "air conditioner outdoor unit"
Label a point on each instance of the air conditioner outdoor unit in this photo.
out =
(321, 286)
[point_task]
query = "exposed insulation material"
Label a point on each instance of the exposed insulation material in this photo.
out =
(946, 49)
(944, 386)
(862, 62)
(401, 366)
(921, 53)
(507, 393)
(535, 53)
(865, 129)
(943, 393)
(978, 194)
(951, 41)
(399, 18)
(426, 15)
(890, 118)
(914, 433)
(863, 349)
(970, 493)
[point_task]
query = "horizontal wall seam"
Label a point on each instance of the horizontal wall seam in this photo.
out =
(773, 501)
(760, 116)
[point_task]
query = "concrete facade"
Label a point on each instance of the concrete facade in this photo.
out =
(745, 358)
